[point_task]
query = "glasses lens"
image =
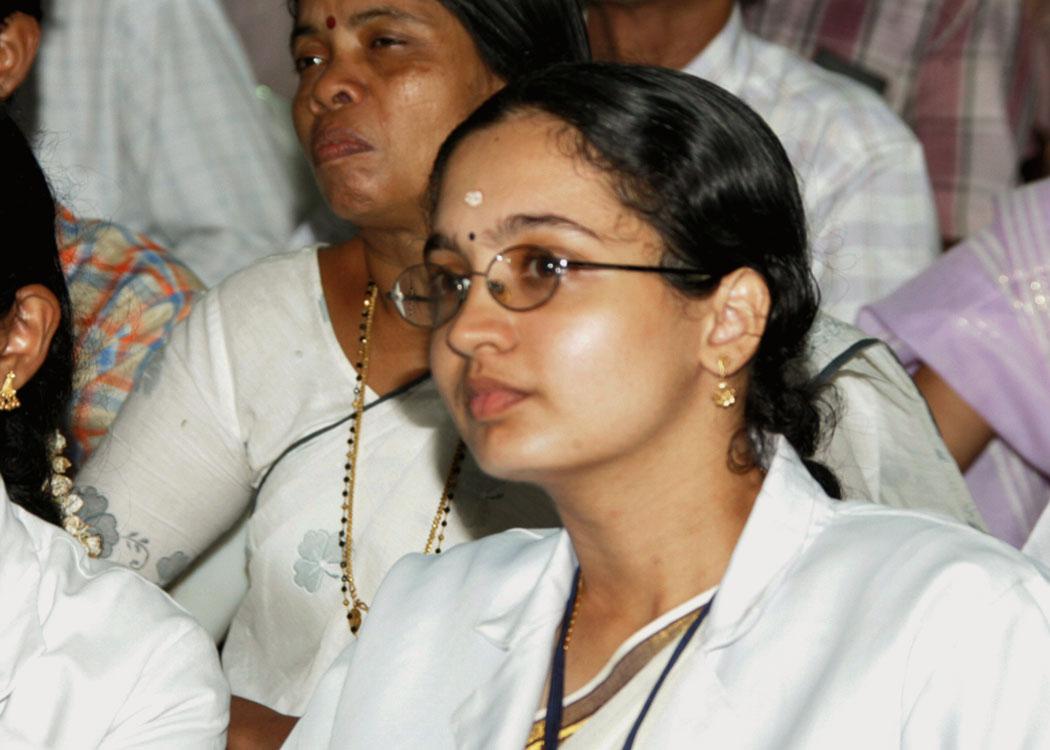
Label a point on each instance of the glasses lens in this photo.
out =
(412, 296)
(447, 292)
(524, 277)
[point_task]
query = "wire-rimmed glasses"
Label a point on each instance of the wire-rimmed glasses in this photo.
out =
(520, 278)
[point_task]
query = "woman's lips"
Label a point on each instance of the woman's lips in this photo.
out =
(335, 143)
(488, 399)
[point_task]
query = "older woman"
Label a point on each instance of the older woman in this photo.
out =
(617, 282)
(91, 654)
(294, 388)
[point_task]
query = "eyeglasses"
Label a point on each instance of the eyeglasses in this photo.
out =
(522, 278)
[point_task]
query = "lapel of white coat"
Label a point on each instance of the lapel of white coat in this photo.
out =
(694, 708)
(498, 713)
(789, 511)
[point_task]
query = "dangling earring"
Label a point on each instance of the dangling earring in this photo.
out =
(8, 395)
(724, 395)
(69, 503)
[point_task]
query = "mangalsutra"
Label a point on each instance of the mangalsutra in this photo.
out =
(355, 606)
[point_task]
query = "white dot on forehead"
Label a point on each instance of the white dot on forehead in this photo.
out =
(473, 198)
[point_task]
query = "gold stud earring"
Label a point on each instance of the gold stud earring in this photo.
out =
(8, 395)
(725, 394)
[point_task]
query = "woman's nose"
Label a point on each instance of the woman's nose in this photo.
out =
(339, 84)
(480, 323)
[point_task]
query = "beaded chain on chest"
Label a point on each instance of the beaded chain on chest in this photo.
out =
(355, 606)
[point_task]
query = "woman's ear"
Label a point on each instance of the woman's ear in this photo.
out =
(740, 307)
(26, 332)
(19, 41)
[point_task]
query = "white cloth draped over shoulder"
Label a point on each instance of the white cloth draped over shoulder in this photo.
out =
(837, 624)
(254, 371)
(92, 655)
(883, 444)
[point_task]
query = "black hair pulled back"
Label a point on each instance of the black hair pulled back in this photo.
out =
(516, 37)
(30, 256)
(29, 7)
(712, 179)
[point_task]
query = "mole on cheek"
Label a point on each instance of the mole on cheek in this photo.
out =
(471, 236)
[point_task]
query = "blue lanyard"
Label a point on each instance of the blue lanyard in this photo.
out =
(556, 694)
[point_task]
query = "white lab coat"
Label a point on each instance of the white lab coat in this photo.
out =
(94, 656)
(837, 624)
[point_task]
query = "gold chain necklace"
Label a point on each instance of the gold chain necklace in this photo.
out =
(355, 606)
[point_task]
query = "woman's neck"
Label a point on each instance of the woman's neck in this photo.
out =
(659, 32)
(656, 527)
(397, 350)
(649, 535)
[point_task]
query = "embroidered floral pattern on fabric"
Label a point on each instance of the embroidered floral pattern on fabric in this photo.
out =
(169, 568)
(92, 512)
(319, 556)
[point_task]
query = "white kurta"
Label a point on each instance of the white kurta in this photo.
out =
(837, 624)
(92, 655)
(234, 417)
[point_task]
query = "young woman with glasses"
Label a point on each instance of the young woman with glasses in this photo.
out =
(618, 288)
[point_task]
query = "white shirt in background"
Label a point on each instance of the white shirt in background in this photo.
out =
(862, 174)
(146, 115)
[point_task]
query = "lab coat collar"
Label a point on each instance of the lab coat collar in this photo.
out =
(787, 514)
(502, 707)
(19, 587)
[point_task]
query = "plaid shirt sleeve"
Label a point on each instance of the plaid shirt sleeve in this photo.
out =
(127, 293)
(959, 72)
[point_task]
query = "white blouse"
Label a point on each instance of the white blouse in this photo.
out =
(247, 411)
(92, 655)
(836, 624)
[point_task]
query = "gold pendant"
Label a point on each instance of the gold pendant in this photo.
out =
(355, 619)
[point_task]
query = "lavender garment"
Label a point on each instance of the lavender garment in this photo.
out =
(980, 318)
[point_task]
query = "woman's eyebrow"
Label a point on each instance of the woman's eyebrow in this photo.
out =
(360, 19)
(519, 222)
(438, 241)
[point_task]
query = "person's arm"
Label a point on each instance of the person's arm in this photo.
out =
(181, 699)
(977, 678)
(965, 432)
(173, 473)
(253, 726)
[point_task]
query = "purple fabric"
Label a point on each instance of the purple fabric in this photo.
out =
(980, 318)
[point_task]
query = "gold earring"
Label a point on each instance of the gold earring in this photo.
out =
(724, 395)
(8, 395)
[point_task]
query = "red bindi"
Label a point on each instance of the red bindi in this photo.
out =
(330, 22)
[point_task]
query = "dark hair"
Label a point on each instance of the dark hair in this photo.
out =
(27, 213)
(29, 7)
(711, 178)
(515, 37)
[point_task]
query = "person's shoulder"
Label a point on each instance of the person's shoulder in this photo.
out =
(852, 113)
(106, 255)
(927, 552)
(101, 603)
(270, 280)
(478, 571)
